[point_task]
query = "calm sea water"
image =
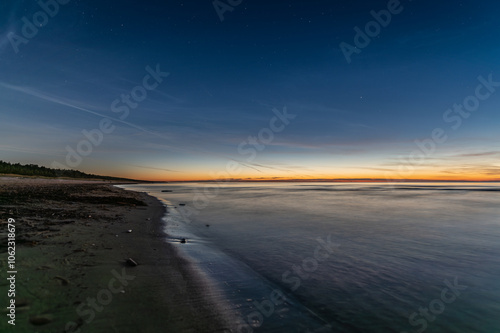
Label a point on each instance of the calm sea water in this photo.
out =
(306, 257)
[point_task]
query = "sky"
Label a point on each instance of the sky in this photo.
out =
(235, 89)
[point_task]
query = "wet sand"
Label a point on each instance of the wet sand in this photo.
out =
(72, 246)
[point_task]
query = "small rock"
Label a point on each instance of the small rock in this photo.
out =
(207, 225)
(131, 262)
(63, 281)
(183, 240)
(40, 320)
(43, 267)
(129, 231)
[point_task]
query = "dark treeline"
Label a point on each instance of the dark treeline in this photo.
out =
(35, 170)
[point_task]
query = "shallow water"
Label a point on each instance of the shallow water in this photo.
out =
(347, 257)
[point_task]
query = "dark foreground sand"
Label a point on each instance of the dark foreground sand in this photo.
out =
(72, 245)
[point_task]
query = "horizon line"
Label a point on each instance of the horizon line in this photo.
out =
(315, 180)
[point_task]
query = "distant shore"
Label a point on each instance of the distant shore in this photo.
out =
(73, 239)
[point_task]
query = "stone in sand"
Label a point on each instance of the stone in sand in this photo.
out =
(131, 262)
(63, 281)
(40, 320)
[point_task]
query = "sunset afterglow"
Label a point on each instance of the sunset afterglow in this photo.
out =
(261, 95)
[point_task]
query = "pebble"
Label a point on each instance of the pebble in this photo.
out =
(63, 281)
(40, 320)
(131, 262)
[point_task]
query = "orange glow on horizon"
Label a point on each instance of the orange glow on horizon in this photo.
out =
(221, 172)
(369, 177)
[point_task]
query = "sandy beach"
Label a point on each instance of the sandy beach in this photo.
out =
(73, 240)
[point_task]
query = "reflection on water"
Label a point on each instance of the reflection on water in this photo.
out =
(395, 247)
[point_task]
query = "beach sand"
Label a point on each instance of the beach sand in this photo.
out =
(72, 243)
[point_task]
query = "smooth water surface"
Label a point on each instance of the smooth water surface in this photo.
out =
(348, 257)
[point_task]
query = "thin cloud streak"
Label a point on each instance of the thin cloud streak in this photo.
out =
(46, 97)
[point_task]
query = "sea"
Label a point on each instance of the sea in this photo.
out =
(343, 257)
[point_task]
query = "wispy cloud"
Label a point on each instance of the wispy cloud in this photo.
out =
(37, 151)
(481, 154)
(72, 104)
(65, 102)
(152, 168)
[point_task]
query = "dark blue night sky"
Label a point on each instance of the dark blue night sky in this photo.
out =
(370, 117)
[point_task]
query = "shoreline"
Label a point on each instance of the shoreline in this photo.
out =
(72, 243)
(253, 301)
